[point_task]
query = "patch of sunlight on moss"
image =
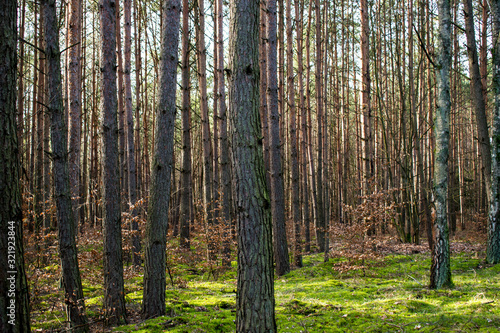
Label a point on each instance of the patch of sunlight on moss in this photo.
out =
(96, 301)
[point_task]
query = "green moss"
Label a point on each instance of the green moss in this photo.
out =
(389, 295)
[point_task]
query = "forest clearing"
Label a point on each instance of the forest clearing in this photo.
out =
(249, 165)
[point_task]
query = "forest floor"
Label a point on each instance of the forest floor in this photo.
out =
(383, 293)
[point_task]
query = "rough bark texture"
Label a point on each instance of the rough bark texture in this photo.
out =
(225, 162)
(277, 188)
(477, 97)
(129, 132)
(367, 139)
(493, 248)
(320, 213)
(73, 293)
(75, 105)
(186, 175)
(255, 286)
(13, 285)
(440, 268)
(303, 127)
(263, 109)
(293, 139)
(114, 297)
(153, 303)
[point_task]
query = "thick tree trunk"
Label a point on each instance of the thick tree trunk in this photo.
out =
(114, 296)
(440, 268)
(153, 303)
(73, 292)
(493, 247)
(477, 97)
(186, 187)
(277, 190)
(255, 293)
(14, 293)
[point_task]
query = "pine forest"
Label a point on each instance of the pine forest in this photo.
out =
(250, 166)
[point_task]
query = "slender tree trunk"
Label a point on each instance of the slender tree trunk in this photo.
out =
(224, 143)
(153, 303)
(186, 187)
(39, 198)
(75, 105)
(320, 209)
(207, 141)
(129, 131)
(255, 287)
(493, 247)
(293, 138)
(73, 292)
(277, 190)
(299, 10)
(121, 108)
(14, 292)
(114, 296)
(440, 268)
(367, 117)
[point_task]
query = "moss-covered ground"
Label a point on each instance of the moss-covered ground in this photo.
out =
(389, 294)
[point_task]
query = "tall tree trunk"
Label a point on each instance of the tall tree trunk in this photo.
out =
(440, 268)
(320, 212)
(277, 190)
(121, 108)
(255, 286)
(129, 131)
(493, 247)
(14, 292)
(186, 187)
(477, 97)
(207, 141)
(224, 143)
(153, 303)
(75, 105)
(367, 117)
(293, 138)
(263, 88)
(73, 292)
(299, 10)
(114, 296)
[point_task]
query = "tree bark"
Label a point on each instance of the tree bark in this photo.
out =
(73, 292)
(293, 139)
(477, 97)
(224, 143)
(493, 246)
(114, 296)
(320, 212)
(186, 187)
(153, 303)
(277, 190)
(440, 268)
(14, 292)
(255, 286)
(75, 105)
(129, 131)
